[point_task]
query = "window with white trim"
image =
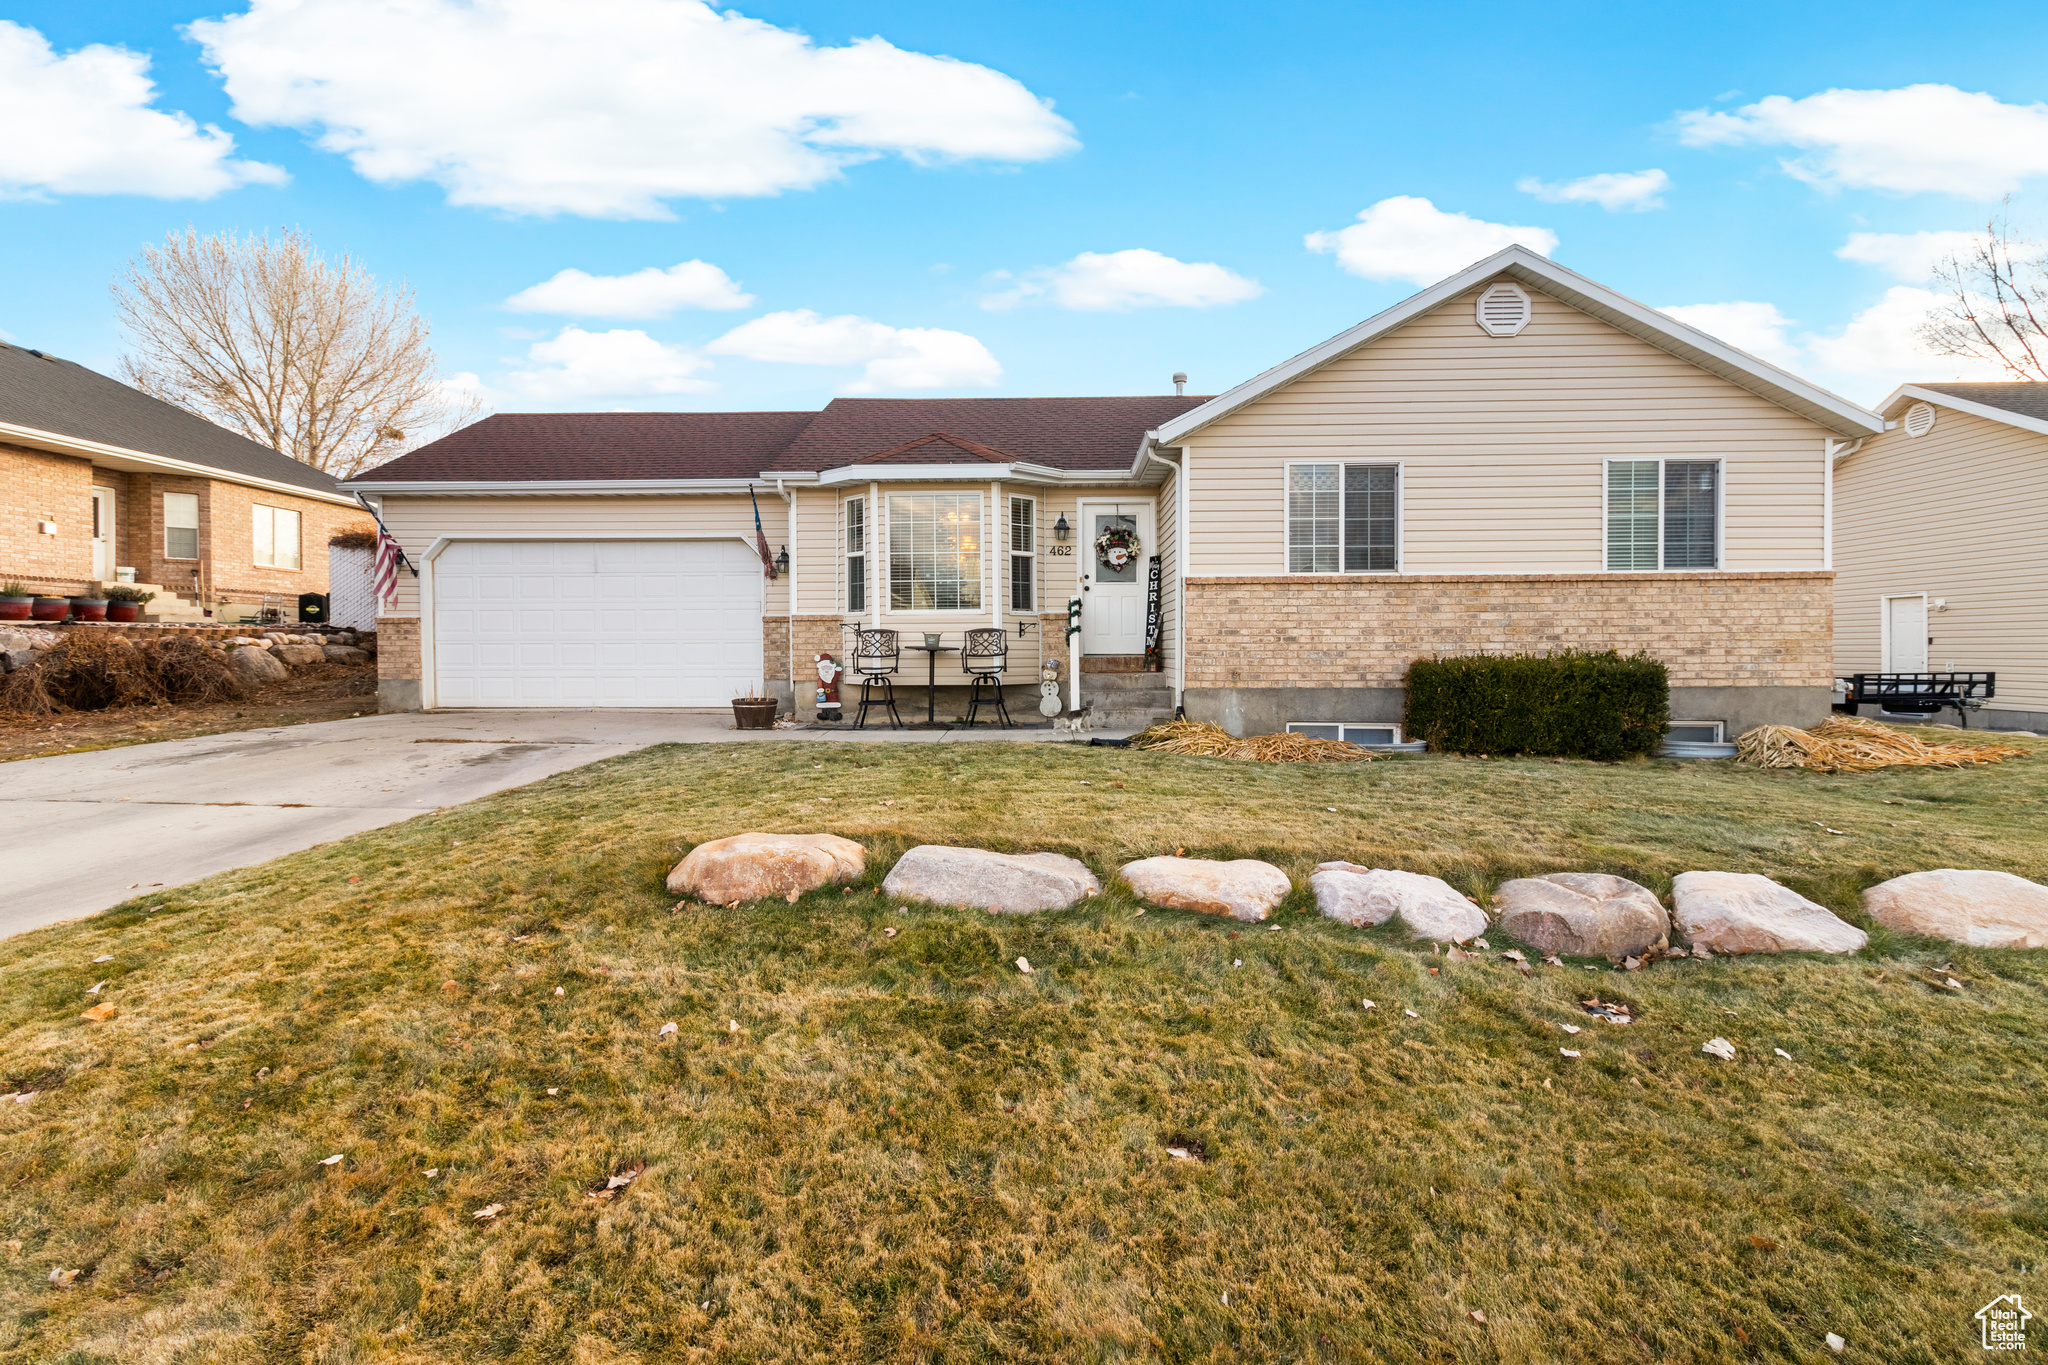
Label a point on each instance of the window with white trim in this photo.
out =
(1023, 554)
(275, 536)
(856, 554)
(1343, 518)
(934, 551)
(181, 526)
(1365, 736)
(1663, 514)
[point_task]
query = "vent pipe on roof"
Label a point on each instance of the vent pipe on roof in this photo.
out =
(1180, 383)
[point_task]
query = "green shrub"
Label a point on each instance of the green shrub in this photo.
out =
(1605, 706)
(128, 592)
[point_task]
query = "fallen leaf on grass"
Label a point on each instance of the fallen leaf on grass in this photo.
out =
(1763, 1243)
(353, 880)
(1565, 1051)
(1024, 966)
(521, 938)
(1180, 1154)
(1481, 944)
(1719, 1047)
(63, 1278)
(732, 1026)
(1631, 964)
(1552, 960)
(666, 1030)
(99, 1014)
(1835, 1343)
(1411, 1014)
(560, 991)
(432, 1171)
(331, 1160)
(96, 989)
(611, 1185)
(1457, 954)
(1953, 984)
(890, 932)
(108, 957)
(1782, 1053)
(554, 1090)
(488, 1212)
(1569, 1028)
(450, 986)
(1367, 1004)
(1479, 1317)
(1513, 955)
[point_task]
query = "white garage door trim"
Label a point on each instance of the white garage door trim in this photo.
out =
(429, 666)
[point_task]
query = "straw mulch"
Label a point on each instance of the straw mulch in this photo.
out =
(92, 671)
(1201, 740)
(1845, 744)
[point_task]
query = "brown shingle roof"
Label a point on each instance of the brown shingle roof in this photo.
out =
(2025, 398)
(1063, 433)
(520, 446)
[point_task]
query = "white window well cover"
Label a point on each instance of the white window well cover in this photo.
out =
(1504, 310)
(1919, 419)
(1367, 736)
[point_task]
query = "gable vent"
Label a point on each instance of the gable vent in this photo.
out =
(1503, 310)
(1919, 419)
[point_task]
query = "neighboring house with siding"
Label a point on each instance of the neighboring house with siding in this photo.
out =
(1941, 543)
(1514, 460)
(96, 476)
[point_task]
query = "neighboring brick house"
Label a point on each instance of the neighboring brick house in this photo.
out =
(96, 476)
(1516, 459)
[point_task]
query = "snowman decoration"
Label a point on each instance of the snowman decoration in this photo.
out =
(828, 687)
(1049, 688)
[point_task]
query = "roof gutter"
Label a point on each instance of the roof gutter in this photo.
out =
(531, 488)
(119, 457)
(1970, 406)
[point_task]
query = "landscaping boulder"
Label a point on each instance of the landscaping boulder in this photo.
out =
(254, 667)
(1981, 908)
(344, 654)
(298, 655)
(1244, 888)
(752, 867)
(1742, 912)
(1015, 883)
(1583, 914)
(1429, 908)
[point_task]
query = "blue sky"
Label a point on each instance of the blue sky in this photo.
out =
(868, 218)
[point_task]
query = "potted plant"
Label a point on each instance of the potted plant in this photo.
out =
(15, 601)
(88, 608)
(50, 608)
(124, 603)
(753, 713)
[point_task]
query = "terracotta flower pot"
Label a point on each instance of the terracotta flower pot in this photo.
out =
(753, 715)
(88, 608)
(15, 608)
(123, 611)
(51, 608)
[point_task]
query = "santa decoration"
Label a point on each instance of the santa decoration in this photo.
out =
(828, 687)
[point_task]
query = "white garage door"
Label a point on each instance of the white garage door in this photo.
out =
(596, 622)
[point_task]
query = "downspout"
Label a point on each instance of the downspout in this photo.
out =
(789, 500)
(1180, 554)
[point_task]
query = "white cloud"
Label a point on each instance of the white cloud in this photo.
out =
(649, 293)
(83, 123)
(1908, 256)
(1405, 238)
(1611, 190)
(619, 363)
(606, 108)
(895, 358)
(1758, 328)
(1118, 281)
(1873, 353)
(1915, 139)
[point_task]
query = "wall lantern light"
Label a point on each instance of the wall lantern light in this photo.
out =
(1060, 528)
(782, 561)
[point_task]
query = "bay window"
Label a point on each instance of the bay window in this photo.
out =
(935, 552)
(1023, 554)
(856, 554)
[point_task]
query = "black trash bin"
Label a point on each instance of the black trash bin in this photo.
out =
(313, 608)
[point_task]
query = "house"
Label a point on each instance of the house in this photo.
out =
(1516, 459)
(97, 477)
(1942, 543)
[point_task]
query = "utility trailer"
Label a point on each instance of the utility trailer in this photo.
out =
(1916, 694)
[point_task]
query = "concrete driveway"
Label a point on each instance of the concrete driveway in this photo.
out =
(90, 830)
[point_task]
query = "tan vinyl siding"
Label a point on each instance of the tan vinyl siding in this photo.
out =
(1167, 518)
(1503, 443)
(1960, 514)
(416, 522)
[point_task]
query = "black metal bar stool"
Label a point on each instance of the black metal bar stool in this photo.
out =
(983, 660)
(876, 655)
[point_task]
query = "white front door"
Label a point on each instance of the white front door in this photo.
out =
(596, 623)
(1113, 595)
(103, 534)
(1905, 634)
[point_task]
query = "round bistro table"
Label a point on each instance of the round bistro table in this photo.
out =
(931, 678)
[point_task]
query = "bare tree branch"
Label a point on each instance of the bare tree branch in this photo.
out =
(1997, 305)
(269, 339)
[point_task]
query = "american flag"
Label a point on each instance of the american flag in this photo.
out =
(388, 555)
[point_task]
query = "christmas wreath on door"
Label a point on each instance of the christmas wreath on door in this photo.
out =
(1118, 546)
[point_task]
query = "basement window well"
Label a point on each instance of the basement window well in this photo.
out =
(1695, 732)
(1366, 736)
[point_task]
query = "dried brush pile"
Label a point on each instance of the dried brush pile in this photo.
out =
(92, 671)
(1845, 744)
(1201, 740)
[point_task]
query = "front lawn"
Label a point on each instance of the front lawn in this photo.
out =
(861, 1146)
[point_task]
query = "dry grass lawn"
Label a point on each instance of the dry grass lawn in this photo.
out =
(866, 1147)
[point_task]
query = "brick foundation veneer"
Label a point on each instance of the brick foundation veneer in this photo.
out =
(1709, 629)
(398, 663)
